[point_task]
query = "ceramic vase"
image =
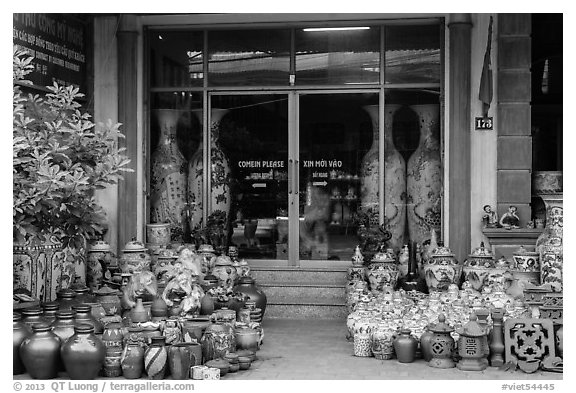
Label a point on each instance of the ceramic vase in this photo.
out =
(217, 341)
(139, 313)
(193, 328)
(219, 169)
(382, 274)
(83, 315)
(113, 337)
(247, 286)
(38, 269)
(40, 352)
(168, 176)
(158, 234)
(181, 357)
(132, 360)
(33, 316)
(362, 345)
(156, 358)
(405, 346)
(425, 348)
(63, 327)
(83, 354)
(424, 177)
(110, 300)
(382, 347)
(394, 177)
(20, 332)
(550, 243)
(442, 269)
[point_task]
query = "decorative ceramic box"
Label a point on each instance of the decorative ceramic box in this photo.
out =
(211, 373)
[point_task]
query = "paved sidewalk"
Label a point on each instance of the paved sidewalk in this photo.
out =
(317, 349)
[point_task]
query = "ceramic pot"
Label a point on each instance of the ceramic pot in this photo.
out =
(221, 364)
(40, 352)
(83, 354)
(382, 272)
(83, 315)
(442, 269)
(33, 316)
(424, 176)
(247, 286)
(20, 331)
(219, 170)
(362, 345)
(38, 269)
(63, 326)
(193, 328)
(156, 358)
(172, 331)
(158, 309)
(217, 341)
(168, 176)
(405, 346)
(109, 299)
(49, 311)
(382, 337)
(181, 357)
(425, 348)
(134, 258)
(112, 367)
(526, 261)
(99, 257)
(113, 337)
(132, 360)
(139, 313)
(247, 338)
(478, 266)
(224, 271)
(66, 298)
(206, 305)
(158, 234)
(549, 244)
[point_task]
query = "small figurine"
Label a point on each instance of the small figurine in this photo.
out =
(490, 217)
(510, 219)
(357, 258)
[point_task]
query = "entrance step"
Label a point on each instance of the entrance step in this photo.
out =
(307, 311)
(298, 275)
(291, 292)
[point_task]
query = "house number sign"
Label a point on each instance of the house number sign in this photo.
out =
(483, 123)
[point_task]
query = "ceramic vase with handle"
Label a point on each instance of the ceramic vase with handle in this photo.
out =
(168, 176)
(424, 176)
(220, 173)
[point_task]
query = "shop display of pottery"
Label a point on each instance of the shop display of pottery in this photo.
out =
(424, 176)
(220, 173)
(550, 243)
(168, 178)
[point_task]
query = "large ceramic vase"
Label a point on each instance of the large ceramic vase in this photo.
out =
(38, 268)
(441, 270)
(424, 177)
(20, 332)
(217, 341)
(156, 358)
(247, 286)
(394, 177)
(40, 353)
(220, 173)
(549, 244)
(132, 360)
(168, 176)
(83, 353)
(382, 273)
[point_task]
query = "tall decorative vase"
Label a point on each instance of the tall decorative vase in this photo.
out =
(424, 177)
(168, 176)
(38, 268)
(156, 358)
(220, 173)
(394, 177)
(549, 244)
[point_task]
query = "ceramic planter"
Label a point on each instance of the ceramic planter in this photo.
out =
(158, 234)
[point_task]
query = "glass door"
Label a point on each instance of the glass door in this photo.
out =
(338, 172)
(249, 149)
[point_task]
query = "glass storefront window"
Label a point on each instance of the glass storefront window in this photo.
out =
(176, 58)
(249, 57)
(253, 140)
(412, 54)
(175, 143)
(335, 57)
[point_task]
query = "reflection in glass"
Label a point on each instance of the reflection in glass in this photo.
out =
(412, 54)
(337, 56)
(254, 138)
(175, 135)
(176, 58)
(249, 57)
(338, 163)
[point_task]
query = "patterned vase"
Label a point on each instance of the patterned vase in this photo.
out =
(394, 177)
(168, 176)
(217, 341)
(424, 177)
(442, 269)
(549, 244)
(156, 358)
(220, 173)
(38, 269)
(382, 272)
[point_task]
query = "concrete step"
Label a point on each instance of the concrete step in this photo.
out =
(307, 311)
(290, 292)
(269, 275)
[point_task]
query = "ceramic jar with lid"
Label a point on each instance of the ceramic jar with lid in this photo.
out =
(442, 269)
(218, 340)
(134, 258)
(20, 332)
(224, 271)
(382, 272)
(247, 286)
(221, 364)
(83, 354)
(441, 344)
(99, 258)
(478, 266)
(208, 257)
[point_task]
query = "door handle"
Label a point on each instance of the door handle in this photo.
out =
(290, 175)
(294, 172)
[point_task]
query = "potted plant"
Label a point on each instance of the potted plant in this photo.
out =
(60, 157)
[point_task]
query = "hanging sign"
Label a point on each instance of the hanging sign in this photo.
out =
(483, 123)
(58, 44)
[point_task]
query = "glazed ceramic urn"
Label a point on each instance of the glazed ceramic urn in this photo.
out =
(224, 271)
(219, 170)
(424, 176)
(134, 258)
(206, 251)
(442, 269)
(247, 286)
(382, 272)
(168, 178)
(99, 258)
(20, 331)
(40, 352)
(156, 358)
(109, 299)
(549, 244)
(478, 266)
(217, 341)
(83, 354)
(526, 266)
